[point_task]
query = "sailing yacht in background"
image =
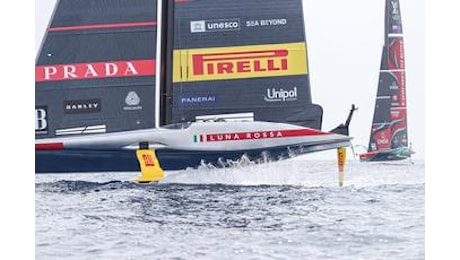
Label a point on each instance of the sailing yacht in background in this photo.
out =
(197, 81)
(389, 138)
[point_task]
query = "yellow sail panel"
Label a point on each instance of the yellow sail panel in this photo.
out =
(252, 61)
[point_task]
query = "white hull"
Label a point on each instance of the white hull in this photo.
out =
(203, 136)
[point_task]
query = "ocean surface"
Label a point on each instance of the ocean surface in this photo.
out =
(292, 209)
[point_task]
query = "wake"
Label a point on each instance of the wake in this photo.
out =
(267, 171)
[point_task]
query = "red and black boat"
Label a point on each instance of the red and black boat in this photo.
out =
(389, 138)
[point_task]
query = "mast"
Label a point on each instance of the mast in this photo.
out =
(168, 43)
(159, 79)
(309, 98)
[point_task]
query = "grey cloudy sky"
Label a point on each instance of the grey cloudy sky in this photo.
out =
(344, 41)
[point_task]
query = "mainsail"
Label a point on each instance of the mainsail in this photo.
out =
(96, 70)
(239, 57)
(389, 124)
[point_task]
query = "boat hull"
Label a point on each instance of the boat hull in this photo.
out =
(181, 146)
(387, 155)
(87, 161)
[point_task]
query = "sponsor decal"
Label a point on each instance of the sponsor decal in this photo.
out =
(395, 113)
(281, 95)
(82, 106)
(395, 6)
(97, 70)
(132, 101)
(198, 100)
(396, 55)
(395, 10)
(244, 136)
(219, 25)
(396, 28)
(398, 113)
(398, 88)
(266, 22)
(197, 26)
(256, 135)
(373, 146)
(380, 137)
(240, 62)
(402, 89)
(247, 61)
(41, 120)
(148, 160)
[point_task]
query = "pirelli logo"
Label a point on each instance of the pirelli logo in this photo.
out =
(240, 62)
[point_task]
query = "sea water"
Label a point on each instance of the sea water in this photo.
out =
(291, 209)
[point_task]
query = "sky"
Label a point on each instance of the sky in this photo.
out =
(344, 40)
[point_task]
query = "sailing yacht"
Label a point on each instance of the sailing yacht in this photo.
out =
(194, 80)
(388, 138)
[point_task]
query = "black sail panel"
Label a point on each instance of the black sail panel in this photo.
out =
(240, 57)
(380, 123)
(95, 72)
(393, 18)
(389, 125)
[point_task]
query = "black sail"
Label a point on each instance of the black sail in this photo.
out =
(238, 56)
(95, 72)
(389, 125)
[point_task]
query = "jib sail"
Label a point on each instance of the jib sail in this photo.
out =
(389, 125)
(96, 70)
(238, 56)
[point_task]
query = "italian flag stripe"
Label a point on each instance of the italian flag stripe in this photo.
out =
(196, 140)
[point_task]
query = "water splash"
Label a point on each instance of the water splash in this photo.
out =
(271, 171)
(299, 172)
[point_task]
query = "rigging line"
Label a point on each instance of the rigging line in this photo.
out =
(159, 51)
